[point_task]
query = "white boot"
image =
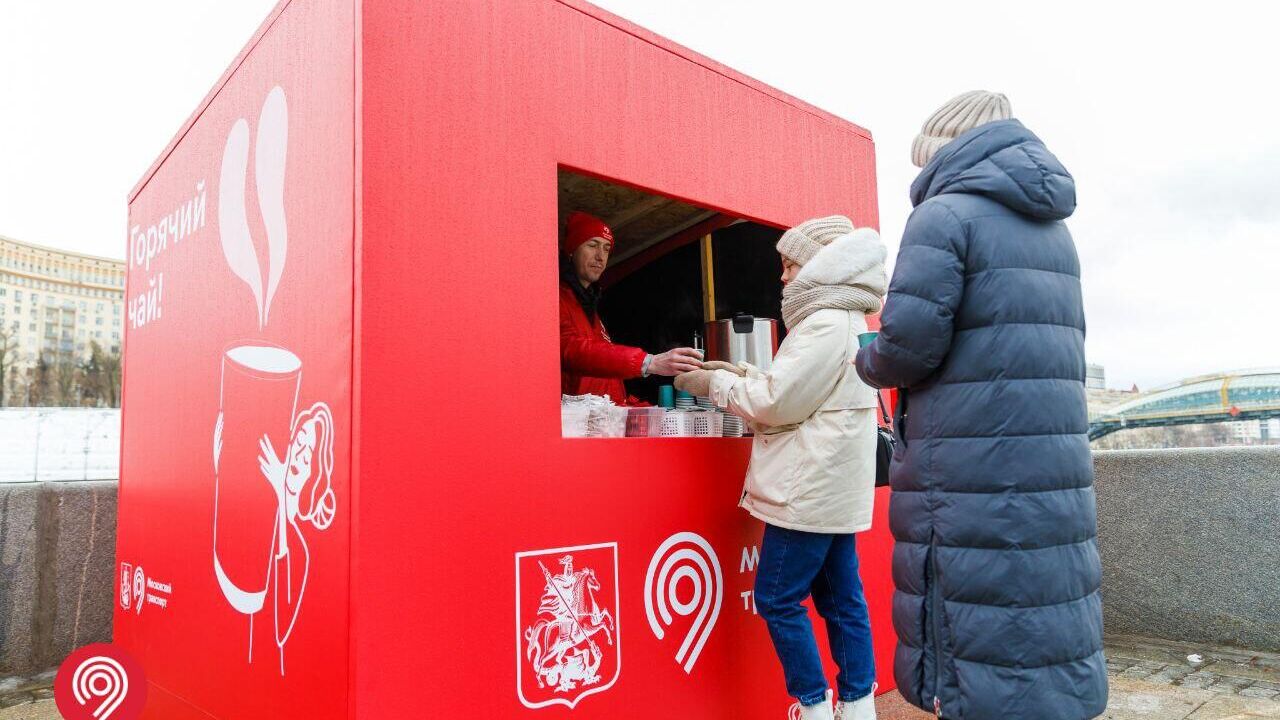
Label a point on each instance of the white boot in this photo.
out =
(863, 708)
(821, 711)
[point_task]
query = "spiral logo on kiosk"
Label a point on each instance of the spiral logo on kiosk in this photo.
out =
(100, 682)
(684, 578)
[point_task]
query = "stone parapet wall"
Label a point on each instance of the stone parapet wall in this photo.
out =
(57, 558)
(1190, 543)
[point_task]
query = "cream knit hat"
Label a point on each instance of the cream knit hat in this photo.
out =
(961, 114)
(802, 242)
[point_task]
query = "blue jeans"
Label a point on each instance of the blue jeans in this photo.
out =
(793, 565)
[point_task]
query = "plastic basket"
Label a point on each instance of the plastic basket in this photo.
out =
(672, 424)
(707, 424)
(573, 421)
(593, 421)
(645, 421)
(692, 424)
(607, 422)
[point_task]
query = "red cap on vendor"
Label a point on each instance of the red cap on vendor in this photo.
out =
(581, 229)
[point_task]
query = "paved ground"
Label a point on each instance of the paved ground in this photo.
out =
(27, 698)
(1157, 680)
(1129, 699)
(1150, 679)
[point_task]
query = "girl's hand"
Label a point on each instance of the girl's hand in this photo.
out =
(721, 365)
(697, 382)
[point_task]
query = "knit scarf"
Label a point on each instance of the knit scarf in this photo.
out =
(802, 297)
(846, 274)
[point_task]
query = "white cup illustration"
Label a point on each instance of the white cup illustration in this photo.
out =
(259, 398)
(261, 496)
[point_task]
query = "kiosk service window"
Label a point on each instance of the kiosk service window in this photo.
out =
(643, 274)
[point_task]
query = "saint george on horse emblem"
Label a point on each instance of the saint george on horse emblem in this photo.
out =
(568, 644)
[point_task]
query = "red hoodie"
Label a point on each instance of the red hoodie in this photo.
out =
(589, 361)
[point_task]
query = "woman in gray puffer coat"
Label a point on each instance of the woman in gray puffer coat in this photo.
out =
(995, 565)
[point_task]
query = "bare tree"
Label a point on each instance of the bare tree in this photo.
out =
(91, 377)
(66, 375)
(39, 381)
(100, 377)
(110, 365)
(1220, 434)
(8, 356)
(17, 390)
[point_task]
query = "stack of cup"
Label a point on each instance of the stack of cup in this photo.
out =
(667, 396)
(733, 426)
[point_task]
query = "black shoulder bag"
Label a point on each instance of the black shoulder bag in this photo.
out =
(884, 444)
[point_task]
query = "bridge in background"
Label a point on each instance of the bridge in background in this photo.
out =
(1244, 395)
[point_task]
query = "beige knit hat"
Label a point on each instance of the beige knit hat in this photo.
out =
(961, 114)
(802, 242)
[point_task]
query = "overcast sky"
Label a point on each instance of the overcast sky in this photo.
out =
(1169, 121)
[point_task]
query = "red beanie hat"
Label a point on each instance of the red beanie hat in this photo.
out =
(582, 228)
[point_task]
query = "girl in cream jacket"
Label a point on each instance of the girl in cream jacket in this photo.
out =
(812, 472)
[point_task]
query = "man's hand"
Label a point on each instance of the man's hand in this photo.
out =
(675, 362)
(696, 382)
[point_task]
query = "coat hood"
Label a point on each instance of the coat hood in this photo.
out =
(855, 259)
(846, 274)
(1006, 162)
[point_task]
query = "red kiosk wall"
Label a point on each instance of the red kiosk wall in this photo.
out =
(233, 556)
(463, 482)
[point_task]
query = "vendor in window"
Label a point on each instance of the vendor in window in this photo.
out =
(590, 363)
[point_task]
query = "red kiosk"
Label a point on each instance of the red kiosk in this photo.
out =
(344, 490)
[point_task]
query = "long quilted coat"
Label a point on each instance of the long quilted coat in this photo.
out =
(996, 568)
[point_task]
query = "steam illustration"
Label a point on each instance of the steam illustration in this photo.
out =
(233, 222)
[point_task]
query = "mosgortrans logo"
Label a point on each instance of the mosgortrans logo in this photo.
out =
(684, 581)
(100, 682)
